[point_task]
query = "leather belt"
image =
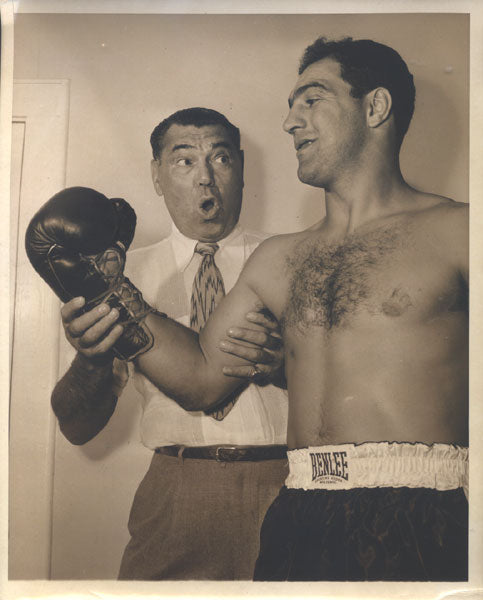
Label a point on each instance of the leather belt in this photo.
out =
(226, 453)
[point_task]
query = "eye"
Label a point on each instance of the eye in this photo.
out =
(184, 162)
(222, 159)
(311, 101)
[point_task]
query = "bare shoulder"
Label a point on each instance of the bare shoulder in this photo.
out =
(439, 216)
(266, 273)
(446, 223)
(272, 253)
(444, 212)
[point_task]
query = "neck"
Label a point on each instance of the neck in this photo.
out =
(370, 191)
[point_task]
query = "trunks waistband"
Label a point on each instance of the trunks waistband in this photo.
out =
(378, 464)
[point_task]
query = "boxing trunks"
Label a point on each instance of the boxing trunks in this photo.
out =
(374, 511)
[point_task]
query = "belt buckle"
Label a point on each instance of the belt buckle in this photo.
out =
(217, 456)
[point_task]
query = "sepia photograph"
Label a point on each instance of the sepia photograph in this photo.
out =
(239, 306)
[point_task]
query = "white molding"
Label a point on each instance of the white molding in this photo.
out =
(43, 105)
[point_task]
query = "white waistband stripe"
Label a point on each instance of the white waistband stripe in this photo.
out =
(378, 464)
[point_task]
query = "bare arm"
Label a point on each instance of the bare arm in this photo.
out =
(452, 229)
(86, 396)
(267, 353)
(188, 367)
(185, 366)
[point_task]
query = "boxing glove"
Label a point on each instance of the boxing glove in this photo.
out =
(77, 243)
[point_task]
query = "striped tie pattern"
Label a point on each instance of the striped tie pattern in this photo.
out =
(207, 291)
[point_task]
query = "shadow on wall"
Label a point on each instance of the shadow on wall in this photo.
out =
(431, 150)
(254, 210)
(292, 213)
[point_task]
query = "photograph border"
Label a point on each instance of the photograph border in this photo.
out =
(115, 589)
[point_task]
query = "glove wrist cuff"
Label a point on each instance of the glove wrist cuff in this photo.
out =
(133, 310)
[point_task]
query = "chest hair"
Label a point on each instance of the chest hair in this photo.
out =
(331, 282)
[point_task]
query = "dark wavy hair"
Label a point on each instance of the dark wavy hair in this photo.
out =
(199, 117)
(366, 65)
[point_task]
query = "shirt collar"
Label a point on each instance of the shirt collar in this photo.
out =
(184, 247)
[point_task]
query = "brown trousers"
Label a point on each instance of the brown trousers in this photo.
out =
(199, 519)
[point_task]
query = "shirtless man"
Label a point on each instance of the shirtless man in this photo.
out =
(373, 307)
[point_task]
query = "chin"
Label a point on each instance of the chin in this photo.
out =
(213, 232)
(310, 178)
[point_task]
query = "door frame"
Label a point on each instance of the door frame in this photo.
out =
(43, 107)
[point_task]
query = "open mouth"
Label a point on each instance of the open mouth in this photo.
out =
(303, 144)
(207, 205)
(209, 208)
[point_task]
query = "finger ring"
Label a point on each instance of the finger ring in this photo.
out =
(254, 372)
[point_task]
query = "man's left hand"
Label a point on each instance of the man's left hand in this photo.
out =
(262, 347)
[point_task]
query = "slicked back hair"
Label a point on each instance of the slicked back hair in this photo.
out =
(199, 117)
(366, 65)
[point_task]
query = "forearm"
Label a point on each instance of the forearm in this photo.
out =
(83, 400)
(181, 368)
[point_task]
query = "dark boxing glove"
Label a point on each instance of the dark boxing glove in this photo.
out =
(77, 243)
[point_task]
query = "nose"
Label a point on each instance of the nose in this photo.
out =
(205, 173)
(293, 121)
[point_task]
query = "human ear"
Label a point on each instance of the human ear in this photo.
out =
(242, 158)
(379, 104)
(155, 177)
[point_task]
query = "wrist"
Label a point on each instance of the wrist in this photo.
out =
(94, 363)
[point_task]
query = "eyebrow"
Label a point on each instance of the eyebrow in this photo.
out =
(300, 90)
(191, 147)
(181, 147)
(225, 145)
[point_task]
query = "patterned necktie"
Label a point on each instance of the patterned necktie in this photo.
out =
(207, 291)
(208, 288)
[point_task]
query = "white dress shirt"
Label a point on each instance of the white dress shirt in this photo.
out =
(164, 273)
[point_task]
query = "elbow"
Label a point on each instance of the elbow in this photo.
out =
(75, 435)
(202, 400)
(192, 403)
(197, 400)
(75, 440)
(71, 426)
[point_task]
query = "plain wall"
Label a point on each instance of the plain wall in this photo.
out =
(127, 72)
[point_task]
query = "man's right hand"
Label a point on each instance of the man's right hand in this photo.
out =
(92, 333)
(84, 399)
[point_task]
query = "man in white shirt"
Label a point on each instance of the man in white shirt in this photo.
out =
(198, 510)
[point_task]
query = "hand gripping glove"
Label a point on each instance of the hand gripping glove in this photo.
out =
(77, 243)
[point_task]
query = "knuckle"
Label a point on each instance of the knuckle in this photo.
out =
(269, 358)
(99, 349)
(89, 338)
(246, 352)
(260, 356)
(85, 341)
(266, 339)
(82, 344)
(72, 331)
